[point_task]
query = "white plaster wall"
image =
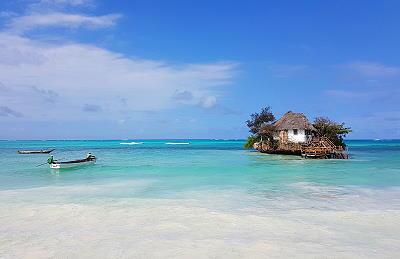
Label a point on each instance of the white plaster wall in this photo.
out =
(299, 138)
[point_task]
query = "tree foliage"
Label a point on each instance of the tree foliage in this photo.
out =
(257, 120)
(332, 130)
(267, 131)
(250, 141)
(260, 125)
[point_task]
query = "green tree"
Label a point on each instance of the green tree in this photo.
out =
(336, 132)
(267, 131)
(259, 124)
(250, 141)
(257, 120)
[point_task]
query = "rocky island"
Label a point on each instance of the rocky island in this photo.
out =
(294, 134)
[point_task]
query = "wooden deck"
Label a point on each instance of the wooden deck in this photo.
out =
(321, 148)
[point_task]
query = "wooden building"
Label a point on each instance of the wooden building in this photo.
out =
(294, 134)
(294, 127)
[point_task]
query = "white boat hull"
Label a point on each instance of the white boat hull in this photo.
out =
(70, 165)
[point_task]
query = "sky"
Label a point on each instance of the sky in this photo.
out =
(93, 69)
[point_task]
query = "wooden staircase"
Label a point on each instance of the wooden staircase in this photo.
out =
(322, 148)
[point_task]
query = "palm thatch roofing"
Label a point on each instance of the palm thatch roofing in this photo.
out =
(293, 120)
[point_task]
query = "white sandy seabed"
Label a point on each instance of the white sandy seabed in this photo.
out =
(34, 224)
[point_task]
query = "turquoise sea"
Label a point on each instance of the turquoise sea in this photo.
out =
(198, 199)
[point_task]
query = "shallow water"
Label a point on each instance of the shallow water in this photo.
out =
(198, 198)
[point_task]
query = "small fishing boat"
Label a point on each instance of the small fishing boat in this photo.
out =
(73, 163)
(43, 151)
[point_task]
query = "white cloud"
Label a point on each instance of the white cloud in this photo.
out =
(78, 74)
(208, 101)
(52, 5)
(7, 14)
(66, 2)
(8, 112)
(54, 80)
(371, 69)
(20, 24)
(92, 108)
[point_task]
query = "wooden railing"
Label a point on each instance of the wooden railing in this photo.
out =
(320, 148)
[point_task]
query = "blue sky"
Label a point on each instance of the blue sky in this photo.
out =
(90, 69)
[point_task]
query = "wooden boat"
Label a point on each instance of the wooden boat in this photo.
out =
(73, 163)
(43, 151)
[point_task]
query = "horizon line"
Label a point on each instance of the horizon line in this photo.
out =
(375, 139)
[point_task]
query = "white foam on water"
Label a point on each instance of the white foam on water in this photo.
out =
(73, 193)
(131, 143)
(198, 224)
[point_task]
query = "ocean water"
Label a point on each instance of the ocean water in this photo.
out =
(198, 199)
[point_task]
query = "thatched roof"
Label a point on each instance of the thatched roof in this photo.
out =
(293, 120)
